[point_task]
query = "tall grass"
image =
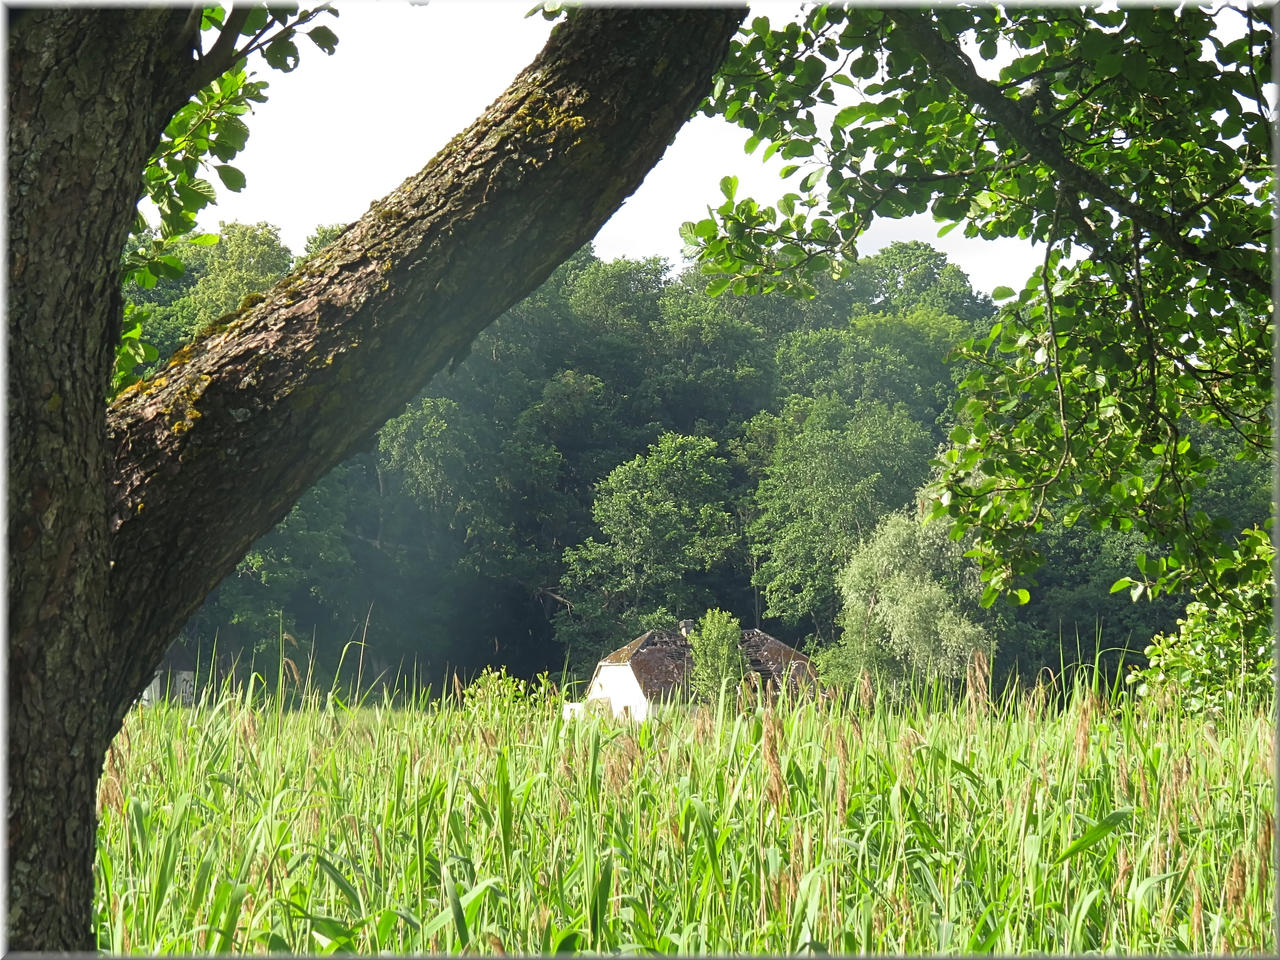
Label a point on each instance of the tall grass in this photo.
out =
(488, 823)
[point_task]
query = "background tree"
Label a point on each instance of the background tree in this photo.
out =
(248, 258)
(663, 522)
(443, 545)
(834, 471)
(909, 606)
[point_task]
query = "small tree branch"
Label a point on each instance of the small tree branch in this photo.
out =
(222, 54)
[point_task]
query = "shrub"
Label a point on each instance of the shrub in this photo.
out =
(717, 654)
(1222, 653)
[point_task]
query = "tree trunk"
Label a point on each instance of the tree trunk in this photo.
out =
(121, 521)
(87, 101)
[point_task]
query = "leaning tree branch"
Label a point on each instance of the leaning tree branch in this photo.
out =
(212, 451)
(1016, 117)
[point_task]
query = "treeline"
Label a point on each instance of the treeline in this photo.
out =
(621, 450)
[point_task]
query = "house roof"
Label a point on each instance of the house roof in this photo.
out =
(775, 660)
(661, 660)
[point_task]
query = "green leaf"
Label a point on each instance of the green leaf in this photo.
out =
(846, 117)
(281, 54)
(718, 286)
(256, 20)
(1001, 292)
(324, 38)
(455, 908)
(205, 189)
(729, 186)
(168, 266)
(231, 177)
(345, 886)
(1094, 834)
(192, 200)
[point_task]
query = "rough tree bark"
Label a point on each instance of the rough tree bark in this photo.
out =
(121, 521)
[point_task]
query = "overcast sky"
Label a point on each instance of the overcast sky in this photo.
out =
(342, 131)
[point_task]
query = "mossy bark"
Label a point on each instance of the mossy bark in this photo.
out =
(121, 521)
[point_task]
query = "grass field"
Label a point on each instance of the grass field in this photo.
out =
(488, 823)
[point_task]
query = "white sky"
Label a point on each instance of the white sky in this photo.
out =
(342, 131)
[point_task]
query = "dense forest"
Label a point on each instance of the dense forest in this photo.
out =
(621, 450)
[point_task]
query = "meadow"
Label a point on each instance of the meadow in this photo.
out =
(483, 822)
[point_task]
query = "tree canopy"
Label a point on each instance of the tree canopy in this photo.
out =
(1132, 145)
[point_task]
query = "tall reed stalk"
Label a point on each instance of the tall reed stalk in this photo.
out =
(484, 822)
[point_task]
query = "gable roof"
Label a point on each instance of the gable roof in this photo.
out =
(774, 660)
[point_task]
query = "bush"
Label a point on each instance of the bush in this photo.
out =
(717, 654)
(1223, 652)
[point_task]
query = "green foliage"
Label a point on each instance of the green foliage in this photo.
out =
(899, 360)
(834, 471)
(717, 655)
(132, 350)
(247, 259)
(911, 276)
(1132, 144)
(910, 606)
(663, 520)
(465, 534)
(209, 128)
(1223, 653)
(320, 238)
(495, 693)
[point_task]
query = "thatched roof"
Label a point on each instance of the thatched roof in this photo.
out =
(774, 660)
(661, 660)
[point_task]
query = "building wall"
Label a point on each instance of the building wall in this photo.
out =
(616, 683)
(178, 686)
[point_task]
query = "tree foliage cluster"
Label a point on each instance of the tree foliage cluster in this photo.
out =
(1133, 146)
(718, 661)
(622, 450)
